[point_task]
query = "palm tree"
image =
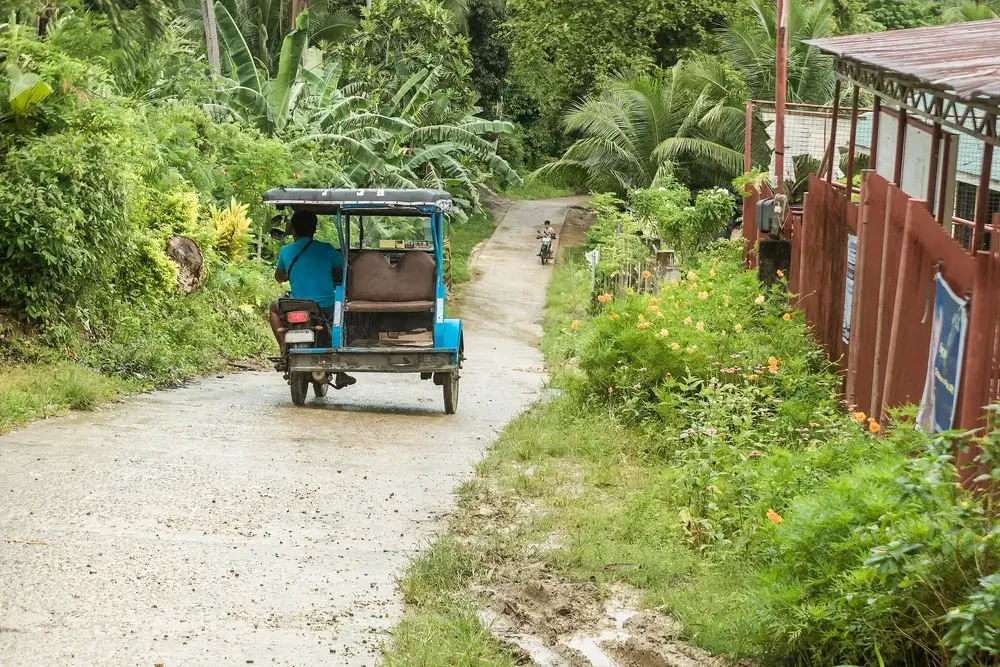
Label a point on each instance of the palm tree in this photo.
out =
(751, 42)
(648, 126)
(970, 10)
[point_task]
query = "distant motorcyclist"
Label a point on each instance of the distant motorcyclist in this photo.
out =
(548, 234)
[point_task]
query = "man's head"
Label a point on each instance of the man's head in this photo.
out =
(303, 224)
(547, 224)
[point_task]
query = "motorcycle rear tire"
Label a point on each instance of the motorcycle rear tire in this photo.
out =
(299, 382)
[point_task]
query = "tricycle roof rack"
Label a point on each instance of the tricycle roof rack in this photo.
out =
(369, 201)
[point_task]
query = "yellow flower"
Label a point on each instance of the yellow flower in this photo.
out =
(687, 321)
(691, 349)
(774, 517)
(874, 426)
(646, 275)
(860, 417)
(711, 273)
(700, 326)
(654, 300)
(692, 287)
(677, 305)
(675, 347)
(613, 316)
(664, 333)
(738, 328)
(675, 283)
(659, 315)
(692, 275)
(643, 324)
(759, 300)
(786, 317)
(753, 378)
(575, 325)
(725, 300)
(702, 296)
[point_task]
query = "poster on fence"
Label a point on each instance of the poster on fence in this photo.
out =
(852, 260)
(944, 363)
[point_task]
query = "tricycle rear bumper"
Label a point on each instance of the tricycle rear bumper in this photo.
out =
(378, 360)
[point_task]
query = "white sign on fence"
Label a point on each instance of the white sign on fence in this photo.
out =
(593, 258)
(852, 260)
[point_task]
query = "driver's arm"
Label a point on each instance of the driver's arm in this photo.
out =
(281, 272)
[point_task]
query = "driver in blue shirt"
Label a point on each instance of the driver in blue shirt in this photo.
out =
(309, 266)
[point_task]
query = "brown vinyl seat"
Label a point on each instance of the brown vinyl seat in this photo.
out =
(375, 287)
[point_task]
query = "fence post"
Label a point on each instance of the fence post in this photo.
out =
(908, 258)
(974, 390)
(857, 299)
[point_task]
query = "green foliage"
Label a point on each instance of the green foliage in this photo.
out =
(902, 14)
(644, 128)
(750, 40)
(565, 50)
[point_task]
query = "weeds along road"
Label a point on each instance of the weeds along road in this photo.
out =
(218, 525)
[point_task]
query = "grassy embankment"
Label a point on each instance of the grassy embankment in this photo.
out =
(743, 501)
(39, 381)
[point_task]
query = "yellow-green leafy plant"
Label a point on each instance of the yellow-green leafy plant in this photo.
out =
(231, 226)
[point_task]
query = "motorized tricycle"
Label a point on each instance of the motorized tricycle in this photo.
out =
(389, 315)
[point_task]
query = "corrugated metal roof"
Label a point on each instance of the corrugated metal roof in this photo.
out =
(962, 58)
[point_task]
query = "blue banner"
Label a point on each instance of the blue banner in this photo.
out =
(944, 364)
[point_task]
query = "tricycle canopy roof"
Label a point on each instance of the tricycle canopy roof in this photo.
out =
(370, 201)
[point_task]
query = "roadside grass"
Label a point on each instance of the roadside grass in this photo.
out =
(464, 239)
(46, 389)
(532, 190)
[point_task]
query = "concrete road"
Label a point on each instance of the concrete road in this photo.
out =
(218, 525)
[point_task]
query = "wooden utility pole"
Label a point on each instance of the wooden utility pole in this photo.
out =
(781, 83)
(211, 35)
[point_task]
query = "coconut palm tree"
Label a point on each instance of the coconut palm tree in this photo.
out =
(751, 41)
(648, 126)
(970, 10)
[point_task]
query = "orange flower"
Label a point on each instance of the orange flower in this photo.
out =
(781, 274)
(611, 390)
(700, 326)
(613, 316)
(646, 275)
(772, 364)
(774, 517)
(653, 308)
(753, 378)
(860, 417)
(687, 321)
(711, 273)
(664, 333)
(575, 325)
(874, 426)
(692, 275)
(725, 300)
(786, 317)
(654, 300)
(702, 296)
(754, 453)
(604, 298)
(642, 325)
(675, 347)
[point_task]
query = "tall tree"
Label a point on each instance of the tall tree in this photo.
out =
(751, 42)
(211, 35)
(647, 126)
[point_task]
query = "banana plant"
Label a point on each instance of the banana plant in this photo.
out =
(25, 92)
(261, 101)
(408, 142)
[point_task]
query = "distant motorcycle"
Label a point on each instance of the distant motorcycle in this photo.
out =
(546, 252)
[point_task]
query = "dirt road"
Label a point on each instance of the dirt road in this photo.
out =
(218, 525)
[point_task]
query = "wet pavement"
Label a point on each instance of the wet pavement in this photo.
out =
(218, 525)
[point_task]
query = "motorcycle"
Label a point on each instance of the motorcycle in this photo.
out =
(546, 252)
